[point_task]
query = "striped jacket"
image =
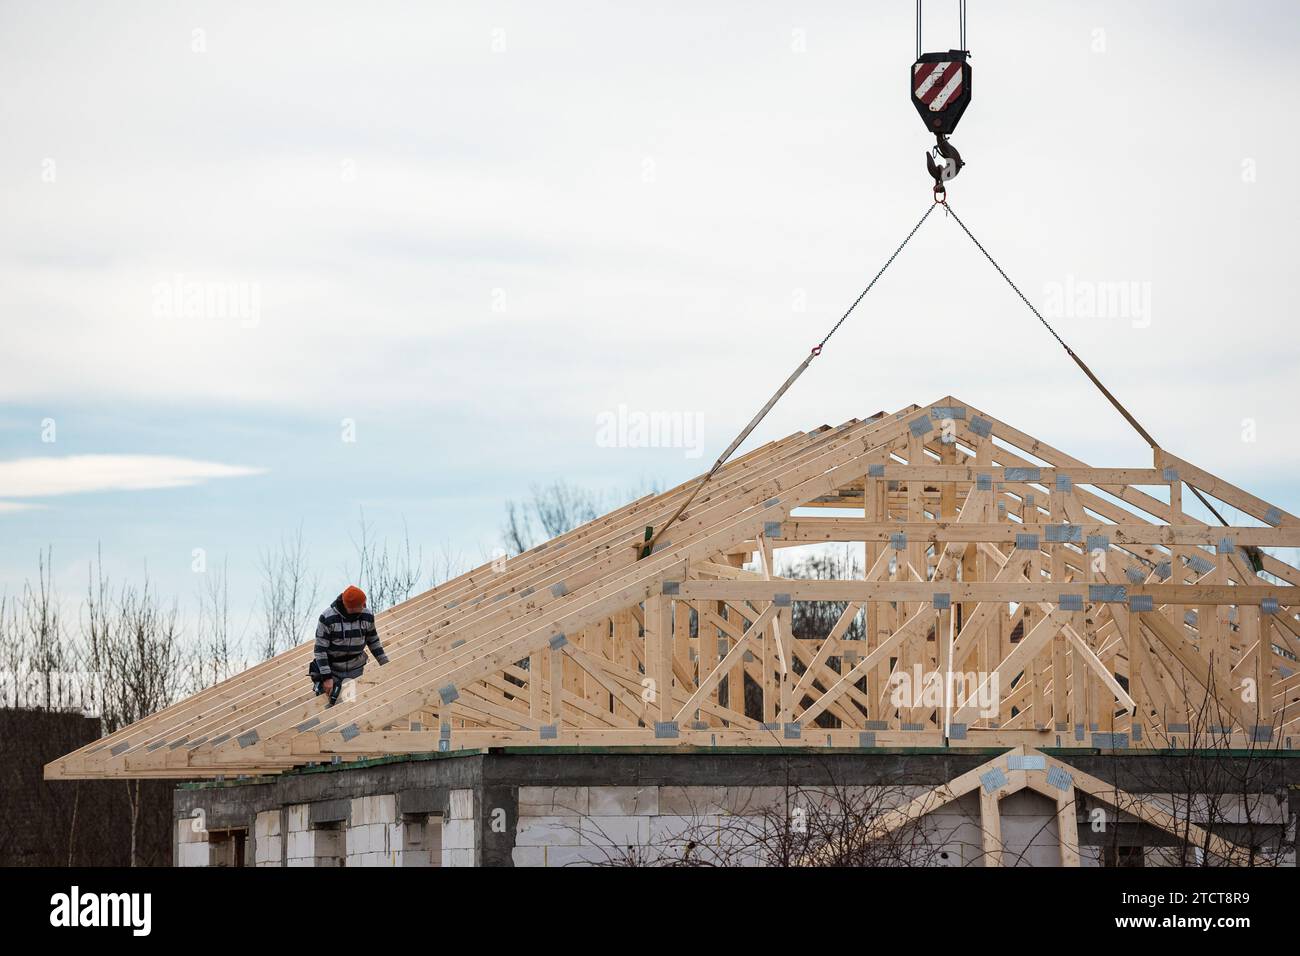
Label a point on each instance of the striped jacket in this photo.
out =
(341, 640)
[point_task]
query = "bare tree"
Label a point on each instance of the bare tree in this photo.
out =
(905, 822)
(518, 531)
(445, 564)
(387, 576)
(289, 593)
(822, 825)
(218, 653)
(1211, 784)
(138, 661)
(13, 651)
(814, 619)
(560, 508)
(52, 657)
(134, 653)
(552, 510)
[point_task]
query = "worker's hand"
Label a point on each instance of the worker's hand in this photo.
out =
(327, 685)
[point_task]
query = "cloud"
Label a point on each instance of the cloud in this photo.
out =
(82, 474)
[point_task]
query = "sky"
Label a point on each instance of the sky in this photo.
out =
(270, 266)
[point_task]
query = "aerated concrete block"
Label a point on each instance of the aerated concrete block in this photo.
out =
(546, 831)
(554, 801)
(622, 801)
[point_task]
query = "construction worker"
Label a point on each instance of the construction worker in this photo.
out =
(345, 630)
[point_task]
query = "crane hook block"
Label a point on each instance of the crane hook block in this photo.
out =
(940, 85)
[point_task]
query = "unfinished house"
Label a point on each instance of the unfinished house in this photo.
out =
(1033, 662)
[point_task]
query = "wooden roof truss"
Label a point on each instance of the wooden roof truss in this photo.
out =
(1090, 609)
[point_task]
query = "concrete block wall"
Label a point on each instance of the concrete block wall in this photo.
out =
(460, 830)
(594, 825)
(299, 842)
(422, 842)
(312, 846)
(559, 809)
(576, 826)
(268, 843)
(374, 834)
(192, 847)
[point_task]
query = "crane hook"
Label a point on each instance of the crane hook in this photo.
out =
(952, 161)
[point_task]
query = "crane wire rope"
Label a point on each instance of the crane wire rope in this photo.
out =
(653, 536)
